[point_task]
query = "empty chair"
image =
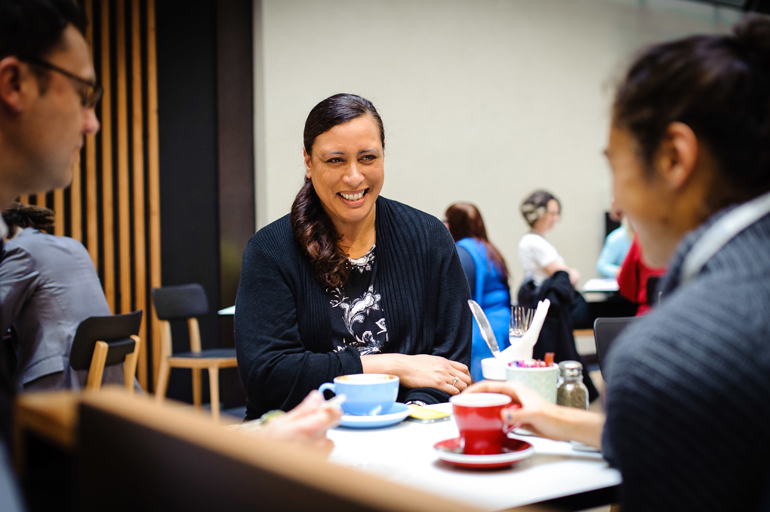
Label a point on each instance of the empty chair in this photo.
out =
(605, 332)
(187, 302)
(104, 341)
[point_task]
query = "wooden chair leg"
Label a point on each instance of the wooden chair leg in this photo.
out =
(96, 371)
(160, 388)
(196, 388)
(129, 367)
(214, 386)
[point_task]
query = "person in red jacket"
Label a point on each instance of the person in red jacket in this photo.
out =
(633, 276)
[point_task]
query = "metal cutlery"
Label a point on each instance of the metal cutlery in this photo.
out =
(486, 330)
(521, 319)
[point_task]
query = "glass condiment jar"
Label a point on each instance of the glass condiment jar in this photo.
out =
(571, 391)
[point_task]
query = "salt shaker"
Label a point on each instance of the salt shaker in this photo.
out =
(571, 391)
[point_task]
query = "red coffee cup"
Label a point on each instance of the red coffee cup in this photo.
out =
(478, 418)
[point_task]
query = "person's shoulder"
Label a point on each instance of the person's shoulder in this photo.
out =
(407, 221)
(277, 232)
(530, 240)
(399, 211)
(716, 320)
(36, 242)
(617, 234)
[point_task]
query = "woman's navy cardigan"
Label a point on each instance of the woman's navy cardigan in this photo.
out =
(282, 320)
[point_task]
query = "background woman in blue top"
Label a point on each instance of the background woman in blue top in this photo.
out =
(487, 276)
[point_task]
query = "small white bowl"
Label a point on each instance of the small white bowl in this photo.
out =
(494, 369)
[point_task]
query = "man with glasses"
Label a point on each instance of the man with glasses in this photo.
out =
(47, 98)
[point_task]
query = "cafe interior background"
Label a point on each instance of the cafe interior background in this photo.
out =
(483, 101)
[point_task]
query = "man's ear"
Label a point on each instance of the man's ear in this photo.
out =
(307, 163)
(677, 155)
(10, 84)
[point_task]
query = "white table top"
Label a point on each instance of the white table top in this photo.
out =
(227, 311)
(601, 285)
(404, 453)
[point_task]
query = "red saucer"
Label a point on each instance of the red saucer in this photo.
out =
(513, 451)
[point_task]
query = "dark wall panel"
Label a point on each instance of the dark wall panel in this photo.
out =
(187, 100)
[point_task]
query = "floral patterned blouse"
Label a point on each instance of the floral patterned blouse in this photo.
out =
(356, 309)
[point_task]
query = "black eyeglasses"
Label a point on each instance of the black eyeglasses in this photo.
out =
(90, 92)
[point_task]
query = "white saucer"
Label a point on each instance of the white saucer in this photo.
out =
(396, 414)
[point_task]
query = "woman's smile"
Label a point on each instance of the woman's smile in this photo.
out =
(353, 198)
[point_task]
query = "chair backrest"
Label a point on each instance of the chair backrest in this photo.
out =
(115, 330)
(652, 284)
(605, 332)
(180, 302)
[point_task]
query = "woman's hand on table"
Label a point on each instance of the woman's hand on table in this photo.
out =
(306, 424)
(421, 371)
(544, 418)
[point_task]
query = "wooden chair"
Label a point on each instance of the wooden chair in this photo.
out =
(605, 332)
(187, 302)
(106, 340)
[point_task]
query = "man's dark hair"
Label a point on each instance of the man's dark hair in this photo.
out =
(32, 28)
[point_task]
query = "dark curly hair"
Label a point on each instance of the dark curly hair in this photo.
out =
(312, 228)
(28, 216)
(719, 86)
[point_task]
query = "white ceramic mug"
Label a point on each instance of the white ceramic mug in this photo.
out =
(541, 380)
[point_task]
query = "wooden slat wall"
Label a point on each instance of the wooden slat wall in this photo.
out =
(153, 176)
(122, 36)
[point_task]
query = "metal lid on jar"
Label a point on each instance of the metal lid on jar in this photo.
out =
(571, 369)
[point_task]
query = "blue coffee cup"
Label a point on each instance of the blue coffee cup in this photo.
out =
(367, 394)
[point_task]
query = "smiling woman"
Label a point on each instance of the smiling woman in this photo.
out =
(350, 282)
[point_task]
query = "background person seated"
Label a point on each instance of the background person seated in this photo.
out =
(487, 276)
(48, 285)
(616, 246)
(633, 277)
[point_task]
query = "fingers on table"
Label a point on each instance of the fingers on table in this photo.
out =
(460, 381)
(460, 367)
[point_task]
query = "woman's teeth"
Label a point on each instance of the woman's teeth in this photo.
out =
(353, 197)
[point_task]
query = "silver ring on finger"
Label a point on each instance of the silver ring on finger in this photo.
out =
(454, 383)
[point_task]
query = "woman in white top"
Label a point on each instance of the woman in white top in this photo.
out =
(538, 257)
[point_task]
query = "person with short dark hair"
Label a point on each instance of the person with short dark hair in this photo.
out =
(350, 282)
(47, 95)
(487, 275)
(687, 385)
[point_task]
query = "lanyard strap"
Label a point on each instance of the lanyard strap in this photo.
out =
(721, 232)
